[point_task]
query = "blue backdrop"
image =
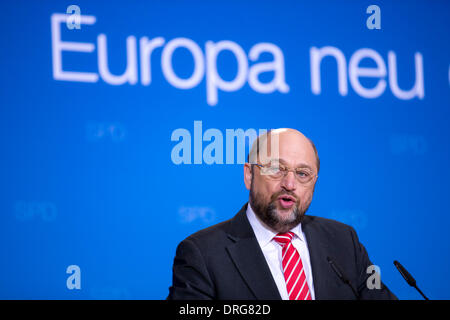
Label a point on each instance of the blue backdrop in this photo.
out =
(88, 175)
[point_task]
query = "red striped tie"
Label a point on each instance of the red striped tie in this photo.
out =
(294, 274)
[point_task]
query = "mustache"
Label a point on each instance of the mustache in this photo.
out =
(284, 193)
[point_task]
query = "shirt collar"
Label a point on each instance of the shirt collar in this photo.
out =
(263, 233)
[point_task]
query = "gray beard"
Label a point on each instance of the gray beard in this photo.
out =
(269, 214)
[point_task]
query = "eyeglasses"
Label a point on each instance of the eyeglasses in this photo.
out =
(277, 172)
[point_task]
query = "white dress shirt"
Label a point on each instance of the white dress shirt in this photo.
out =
(272, 252)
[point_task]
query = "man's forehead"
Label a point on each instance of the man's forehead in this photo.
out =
(284, 143)
(289, 144)
(287, 147)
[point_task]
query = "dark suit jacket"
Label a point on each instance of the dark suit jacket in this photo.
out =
(225, 262)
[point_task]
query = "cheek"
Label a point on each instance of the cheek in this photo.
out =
(305, 195)
(310, 195)
(265, 189)
(273, 191)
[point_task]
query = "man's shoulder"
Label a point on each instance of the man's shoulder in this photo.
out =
(225, 232)
(327, 225)
(218, 230)
(222, 232)
(224, 229)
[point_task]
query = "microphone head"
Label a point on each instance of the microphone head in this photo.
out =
(405, 274)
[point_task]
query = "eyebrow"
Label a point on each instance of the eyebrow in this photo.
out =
(301, 165)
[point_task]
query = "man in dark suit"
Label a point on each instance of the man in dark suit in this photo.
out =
(270, 249)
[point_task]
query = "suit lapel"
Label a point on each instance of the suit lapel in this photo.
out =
(318, 257)
(249, 259)
(251, 263)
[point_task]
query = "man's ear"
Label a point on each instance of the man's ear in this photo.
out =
(248, 175)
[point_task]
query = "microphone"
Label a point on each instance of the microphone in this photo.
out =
(341, 276)
(408, 277)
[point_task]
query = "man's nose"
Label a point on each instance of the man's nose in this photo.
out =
(289, 182)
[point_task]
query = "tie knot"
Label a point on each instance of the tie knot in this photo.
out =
(283, 238)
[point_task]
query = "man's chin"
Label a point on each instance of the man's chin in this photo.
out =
(286, 212)
(286, 215)
(275, 216)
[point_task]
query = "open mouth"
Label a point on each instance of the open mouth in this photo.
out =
(286, 202)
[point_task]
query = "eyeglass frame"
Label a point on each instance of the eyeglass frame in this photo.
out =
(286, 171)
